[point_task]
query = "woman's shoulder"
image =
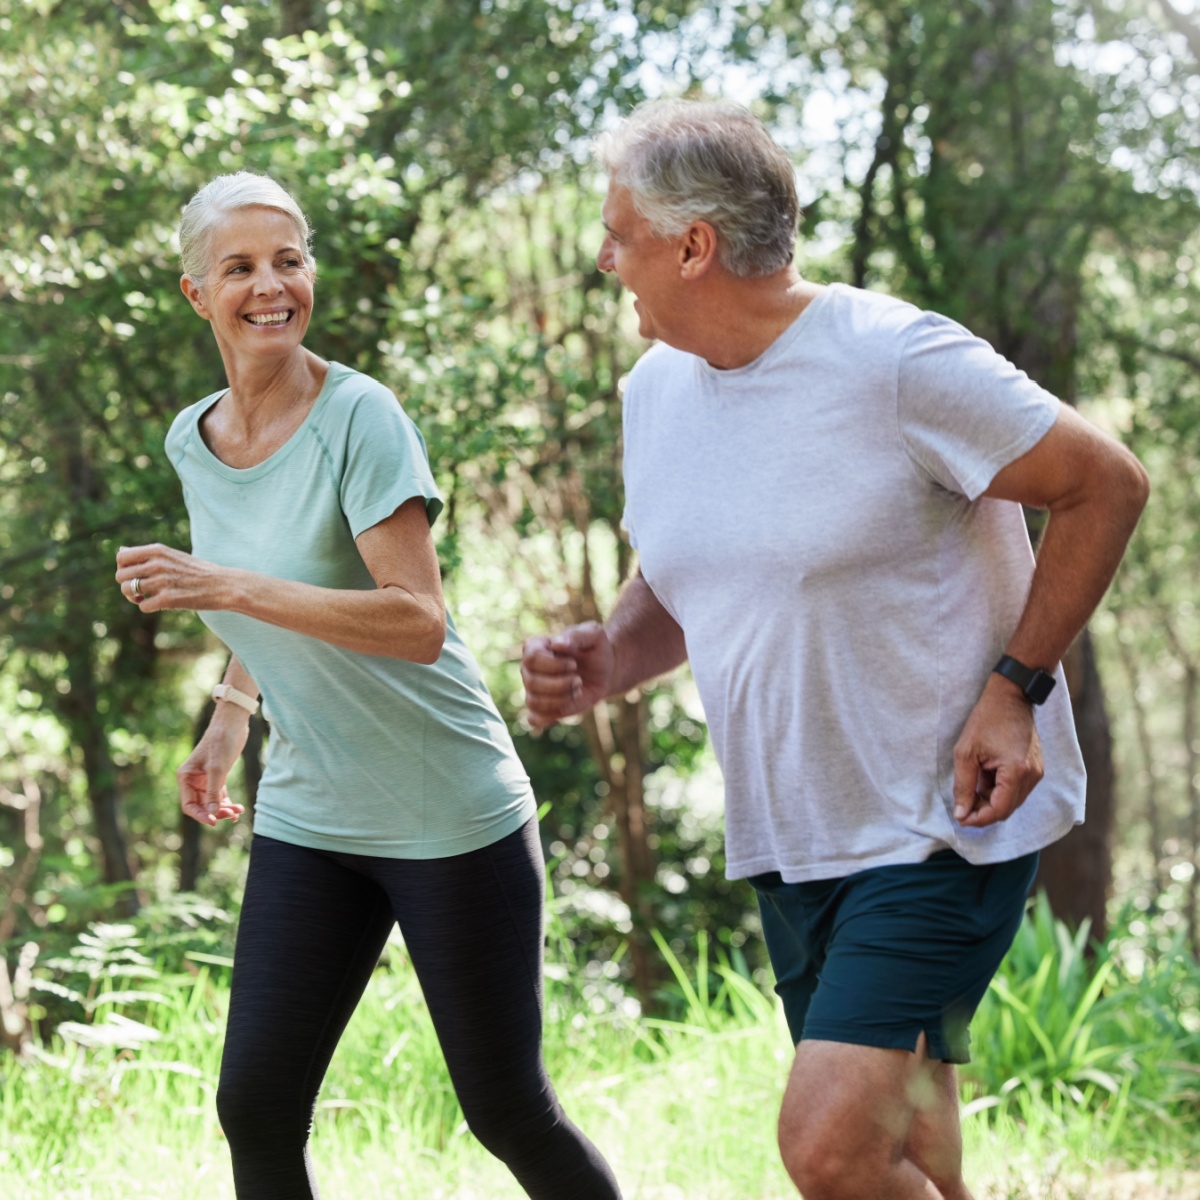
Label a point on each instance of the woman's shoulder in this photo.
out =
(353, 389)
(183, 427)
(360, 402)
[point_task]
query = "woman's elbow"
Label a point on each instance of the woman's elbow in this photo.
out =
(427, 645)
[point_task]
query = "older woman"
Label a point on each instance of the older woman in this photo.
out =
(392, 792)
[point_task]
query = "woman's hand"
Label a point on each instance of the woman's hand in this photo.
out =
(202, 792)
(155, 577)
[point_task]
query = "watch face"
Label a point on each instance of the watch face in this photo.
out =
(1033, 681)
(1040, 687)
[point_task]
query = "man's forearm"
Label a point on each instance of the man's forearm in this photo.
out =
(645, 638)
(1081, 549)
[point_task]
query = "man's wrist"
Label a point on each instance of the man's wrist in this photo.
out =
(1034, 684)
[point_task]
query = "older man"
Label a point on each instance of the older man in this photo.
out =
(824, 486)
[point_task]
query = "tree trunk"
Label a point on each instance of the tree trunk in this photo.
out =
(1190, 726)
(80, 708)
(297, 16)
(617, 749)
(16, 1033)
(1191, 749)
(1141, 724)
(1076, 872)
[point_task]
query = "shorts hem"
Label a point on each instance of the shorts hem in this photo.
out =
(884, 1039)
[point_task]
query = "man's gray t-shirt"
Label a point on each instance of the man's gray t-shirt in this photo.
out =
(814, 522)
(368, 754)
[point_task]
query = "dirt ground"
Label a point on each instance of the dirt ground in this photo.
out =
(1102, 1184)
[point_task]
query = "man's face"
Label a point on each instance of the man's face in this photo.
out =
(646, 265)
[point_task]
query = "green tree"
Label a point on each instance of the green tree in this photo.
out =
(379, 116)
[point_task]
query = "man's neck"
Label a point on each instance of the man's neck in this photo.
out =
(738, 320)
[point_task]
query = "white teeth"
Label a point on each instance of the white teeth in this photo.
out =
(268, 318)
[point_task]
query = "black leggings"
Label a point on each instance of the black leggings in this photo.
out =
(312, 928)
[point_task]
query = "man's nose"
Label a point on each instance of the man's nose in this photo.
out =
(604, 259)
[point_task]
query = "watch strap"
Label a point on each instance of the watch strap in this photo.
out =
(223, 691)
(1034, 682)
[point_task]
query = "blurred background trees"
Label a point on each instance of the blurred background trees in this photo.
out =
(1028, 167)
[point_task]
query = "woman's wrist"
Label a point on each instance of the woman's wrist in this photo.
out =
(227, 714)
(226, 693)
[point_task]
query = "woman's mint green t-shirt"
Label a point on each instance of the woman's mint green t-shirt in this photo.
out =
(368, 755)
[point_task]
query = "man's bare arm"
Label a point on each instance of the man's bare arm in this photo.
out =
(568, 673)
(1095, 491)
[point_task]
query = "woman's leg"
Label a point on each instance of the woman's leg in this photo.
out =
(473, 927)
(310, 934)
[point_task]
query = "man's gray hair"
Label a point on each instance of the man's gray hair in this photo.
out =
(223, 195)
(698, 160)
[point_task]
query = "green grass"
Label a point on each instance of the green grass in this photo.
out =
(1087, 1072)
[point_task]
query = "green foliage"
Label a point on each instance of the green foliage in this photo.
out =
(686, 1102)
(80, 977)
(1068, 1028)
(384, 119)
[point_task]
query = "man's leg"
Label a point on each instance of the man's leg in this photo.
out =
(934, 1141)
(861, 1122)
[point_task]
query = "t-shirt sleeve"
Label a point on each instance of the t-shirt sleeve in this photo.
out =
(386, 463)
(965, 412)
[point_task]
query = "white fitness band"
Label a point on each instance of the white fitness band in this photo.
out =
(230, 694)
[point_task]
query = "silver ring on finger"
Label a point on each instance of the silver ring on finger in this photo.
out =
(136, 589)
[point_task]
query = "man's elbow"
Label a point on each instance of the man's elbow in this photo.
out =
(1131, 486)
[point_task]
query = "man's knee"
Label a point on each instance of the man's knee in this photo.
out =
(821, 1166)
(845, 1118)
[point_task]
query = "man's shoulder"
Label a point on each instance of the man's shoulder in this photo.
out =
(660, 361)
(873, 310)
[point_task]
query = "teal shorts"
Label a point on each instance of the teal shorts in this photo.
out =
(879, 957)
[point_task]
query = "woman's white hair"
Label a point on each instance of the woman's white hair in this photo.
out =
(698, 160)
(223, 195)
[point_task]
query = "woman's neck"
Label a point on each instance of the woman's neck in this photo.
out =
(260, 390)
(263, 407)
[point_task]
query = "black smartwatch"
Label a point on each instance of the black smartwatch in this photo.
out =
(1033, 681)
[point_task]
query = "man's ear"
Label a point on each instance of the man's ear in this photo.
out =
(191, 290)
(698, 250)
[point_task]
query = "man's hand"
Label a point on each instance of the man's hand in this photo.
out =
(567, 674)
(998, 759)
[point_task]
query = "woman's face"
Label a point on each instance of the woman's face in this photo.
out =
(258, 291)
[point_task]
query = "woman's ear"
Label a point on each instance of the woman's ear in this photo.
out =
(191, 289)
